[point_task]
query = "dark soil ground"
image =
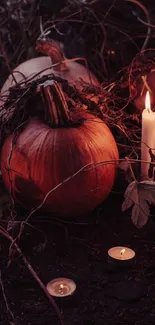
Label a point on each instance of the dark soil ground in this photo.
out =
(104, 295)
(78, 250)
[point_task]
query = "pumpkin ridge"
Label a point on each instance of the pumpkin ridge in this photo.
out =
(108, 167)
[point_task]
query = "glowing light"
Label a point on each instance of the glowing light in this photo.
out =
(122, 251)
(148, 102)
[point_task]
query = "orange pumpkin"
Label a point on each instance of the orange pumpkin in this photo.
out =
(45, 155)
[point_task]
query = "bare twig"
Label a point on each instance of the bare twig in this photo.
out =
(131, 169)
(145, 22)
(146, 84)
(5, 298)
(33, 273)
(148, 35)
(6, 60)
(101, 54)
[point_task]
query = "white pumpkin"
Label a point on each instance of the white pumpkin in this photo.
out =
(37, 67)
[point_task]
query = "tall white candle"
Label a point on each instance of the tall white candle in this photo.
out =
(148, 137)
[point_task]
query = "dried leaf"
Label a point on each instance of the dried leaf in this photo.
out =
(139, 195)
(124, 165)
(129, 196)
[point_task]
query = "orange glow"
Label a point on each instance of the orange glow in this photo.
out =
(61, 286)
(148, 102)
(122, 251)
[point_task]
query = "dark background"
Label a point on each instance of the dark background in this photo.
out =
(79, 249)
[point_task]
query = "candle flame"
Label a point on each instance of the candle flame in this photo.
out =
(61, 286)
(122, 251)
(148, 102)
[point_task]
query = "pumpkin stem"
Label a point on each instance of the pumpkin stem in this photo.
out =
(52, 49)
(55, 104)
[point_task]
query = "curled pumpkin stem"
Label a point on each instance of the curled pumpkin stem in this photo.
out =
(52, 49)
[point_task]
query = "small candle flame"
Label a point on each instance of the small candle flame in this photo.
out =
(61, 289)
(148, 102)
(122, 251)
(61, 286)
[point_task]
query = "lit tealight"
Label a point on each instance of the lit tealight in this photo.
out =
(121, 254)
(61, 287)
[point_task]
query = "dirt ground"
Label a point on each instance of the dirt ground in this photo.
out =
(104, 295)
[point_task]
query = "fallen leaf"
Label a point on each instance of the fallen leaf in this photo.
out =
(125, 166)
(139, 196)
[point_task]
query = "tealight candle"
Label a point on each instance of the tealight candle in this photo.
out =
(61, 287)
(121, 256)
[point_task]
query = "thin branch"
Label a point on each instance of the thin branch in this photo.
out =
(5, 298)
(131, 169)
(148, 35)
(6, 61)
(33, 273)
(145, 23)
